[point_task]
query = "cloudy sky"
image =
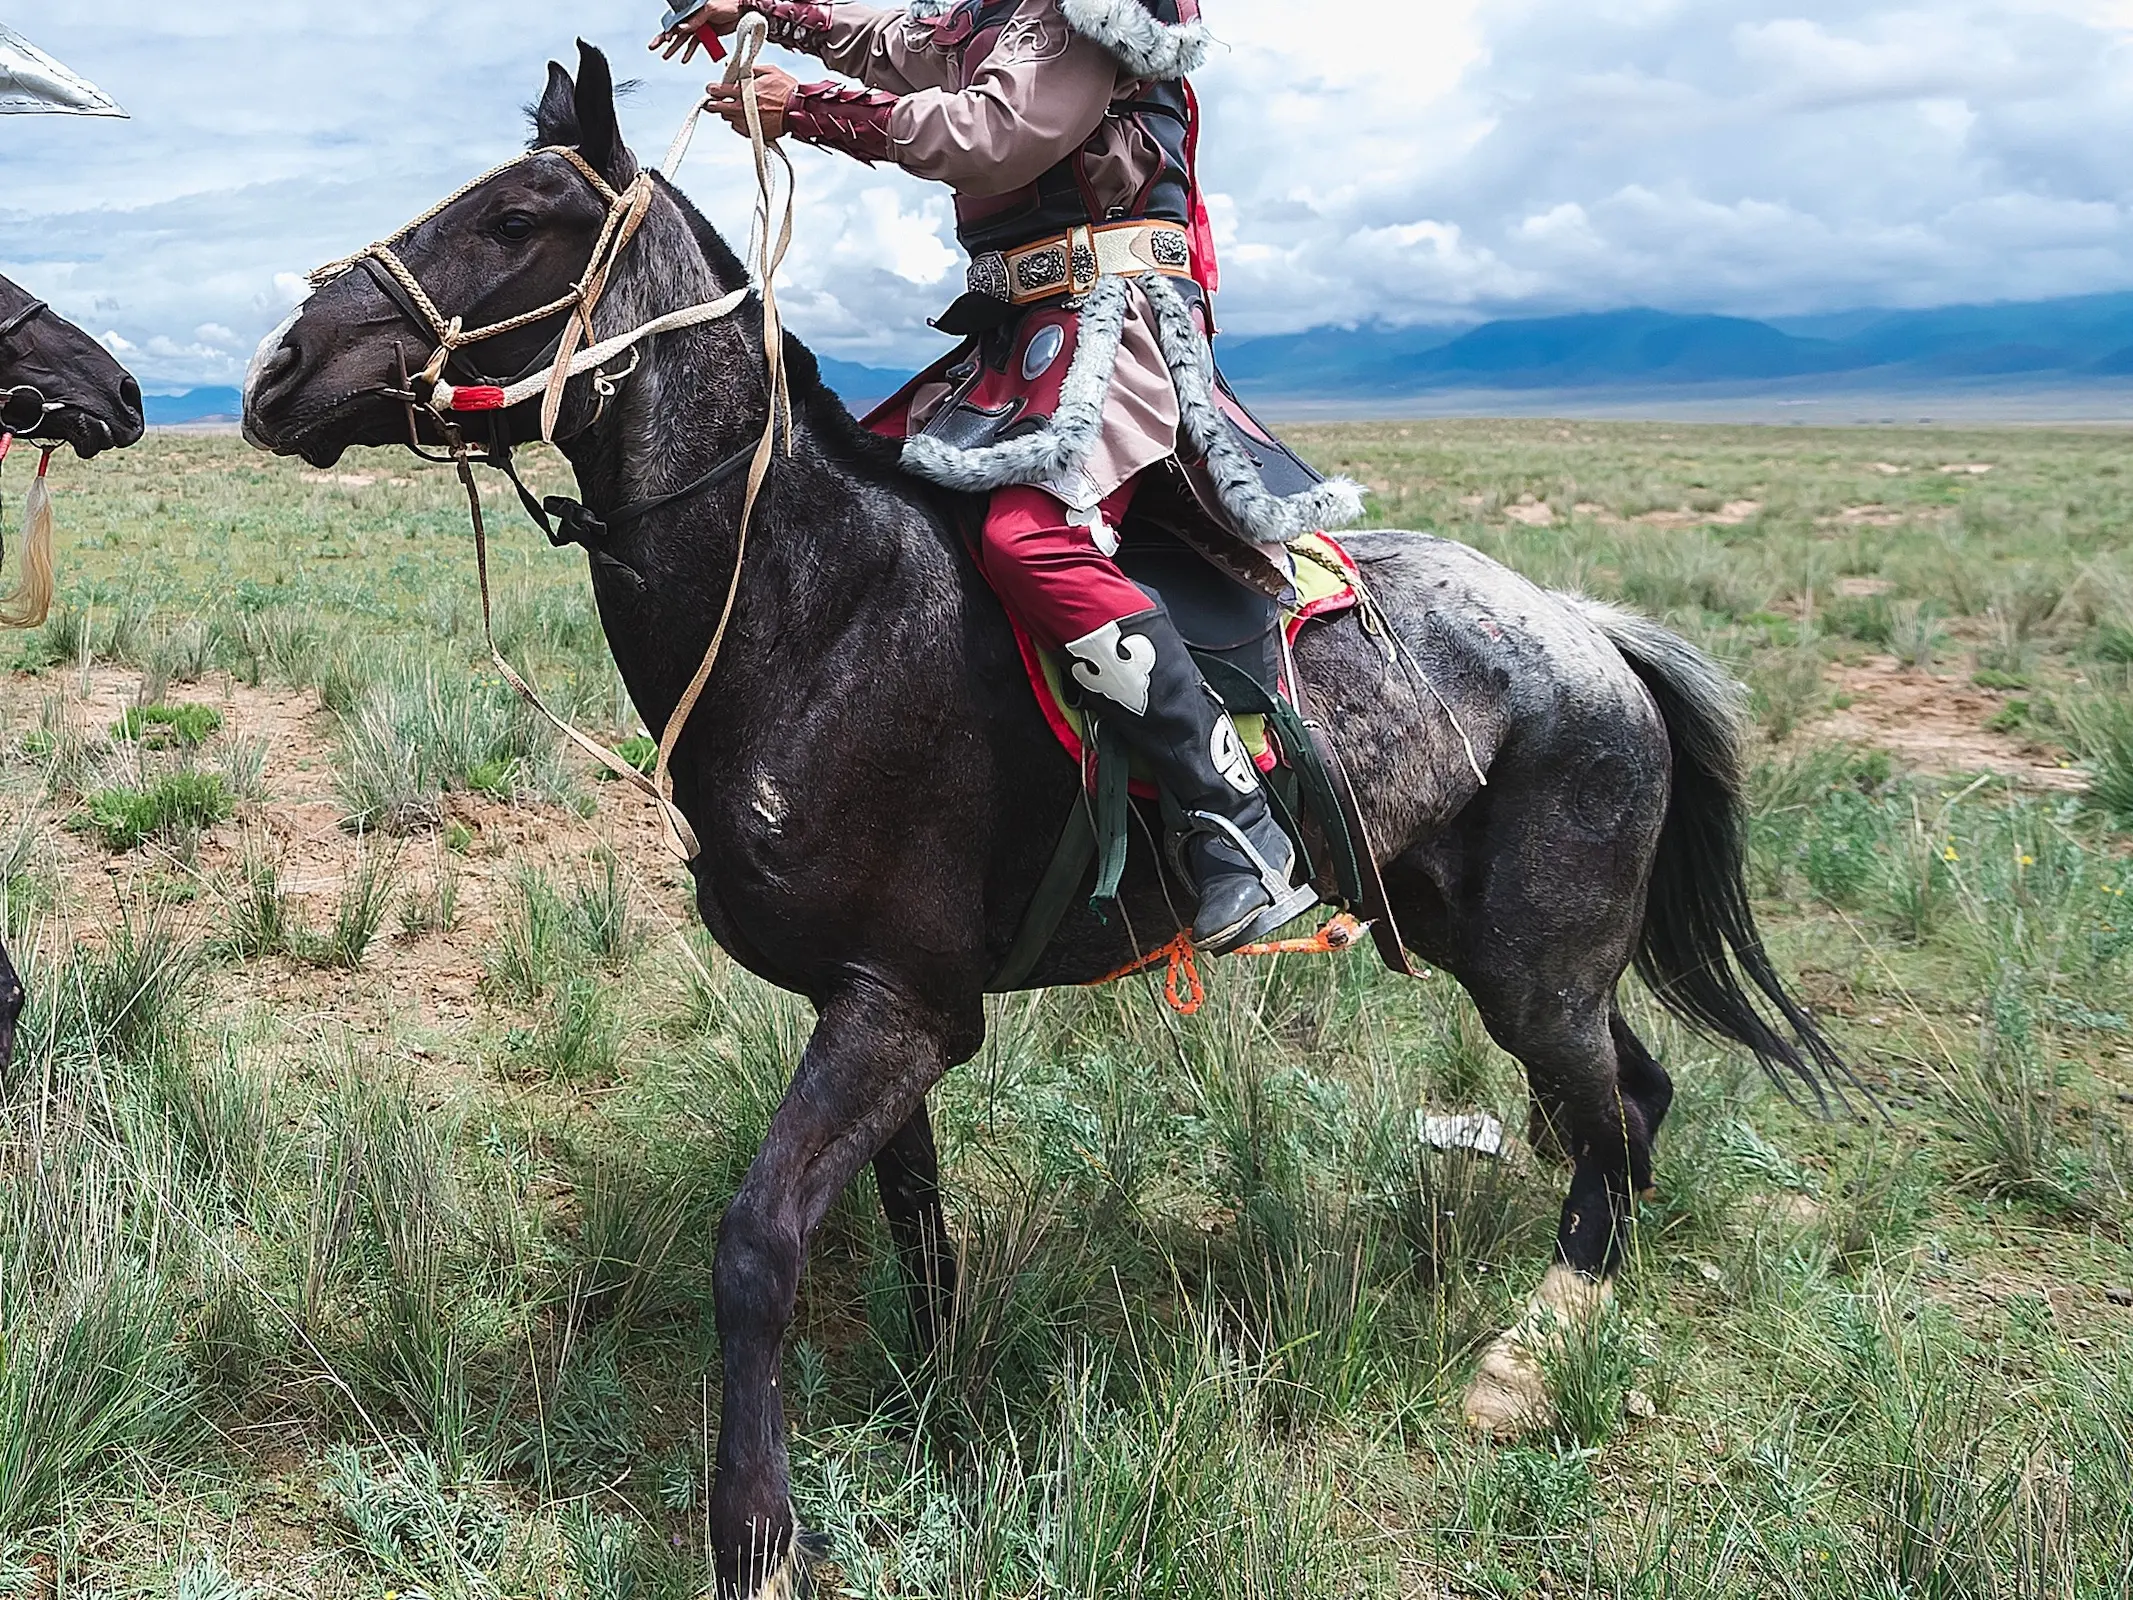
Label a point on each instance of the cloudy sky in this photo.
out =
(1400, 160)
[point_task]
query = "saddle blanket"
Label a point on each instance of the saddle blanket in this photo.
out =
(1326, 579)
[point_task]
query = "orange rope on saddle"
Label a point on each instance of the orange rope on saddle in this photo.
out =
(1182, 986)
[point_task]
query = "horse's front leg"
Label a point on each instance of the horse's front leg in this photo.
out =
(11, 998)
(874, 1055)
(908, 1173)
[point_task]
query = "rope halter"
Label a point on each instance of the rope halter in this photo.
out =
(578, 351)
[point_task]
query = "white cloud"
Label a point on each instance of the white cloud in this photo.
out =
(1410, 160)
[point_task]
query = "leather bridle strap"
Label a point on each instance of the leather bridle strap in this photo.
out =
(566, 521)
(18, 422)
(15, 323)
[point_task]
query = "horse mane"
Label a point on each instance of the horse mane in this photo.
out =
(828, 417)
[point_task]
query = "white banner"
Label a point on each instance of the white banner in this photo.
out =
(32, 82)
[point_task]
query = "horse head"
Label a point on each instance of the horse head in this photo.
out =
(60, 385)
(522, 237)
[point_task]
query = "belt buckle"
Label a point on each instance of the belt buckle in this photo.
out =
(1084, 266)
(988, 277)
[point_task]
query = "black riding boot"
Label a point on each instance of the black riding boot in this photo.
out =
(1239, 856)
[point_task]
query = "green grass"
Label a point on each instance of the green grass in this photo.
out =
(190, 724)
(358, 1196)
(174, 804)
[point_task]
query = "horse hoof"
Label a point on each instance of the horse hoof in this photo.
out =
(1507, 1397)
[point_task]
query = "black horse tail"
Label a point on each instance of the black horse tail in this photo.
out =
(1700, 940)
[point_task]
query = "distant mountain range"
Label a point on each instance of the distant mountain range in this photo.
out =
(2069, 342)
(2066, 343)
(195, 405)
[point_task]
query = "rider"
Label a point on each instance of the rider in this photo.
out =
(1068, 133)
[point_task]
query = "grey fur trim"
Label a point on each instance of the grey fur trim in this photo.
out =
(1265, 518)
(1145, 47)
(1059, 449)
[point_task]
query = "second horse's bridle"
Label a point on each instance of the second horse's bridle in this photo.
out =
(24, 409)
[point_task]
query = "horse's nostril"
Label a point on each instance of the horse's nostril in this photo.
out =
(130, 394)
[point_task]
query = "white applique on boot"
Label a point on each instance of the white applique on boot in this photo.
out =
(1231, 759)
(1116, 665)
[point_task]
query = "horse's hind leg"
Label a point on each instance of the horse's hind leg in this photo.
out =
(863, 1080)
(1603, 1096)
(908, 1173)
(1538, 921)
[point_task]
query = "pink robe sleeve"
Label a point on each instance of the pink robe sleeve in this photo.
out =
(884, 50)
(1038, 98)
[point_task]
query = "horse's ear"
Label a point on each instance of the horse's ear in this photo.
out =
(599, 136)
(555, 118)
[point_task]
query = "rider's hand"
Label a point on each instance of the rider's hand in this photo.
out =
(717, 17)
(774, 89)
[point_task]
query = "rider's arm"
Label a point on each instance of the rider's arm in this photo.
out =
(1037, 99)
(882, 49)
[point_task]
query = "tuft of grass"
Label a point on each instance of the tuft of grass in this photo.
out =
(1459, 1213)
(168, 725)
(172, 807)
(1589, 1368)
(2005, 1108)
(125, 1000)
(366, 897)
(243, 765)
(90, 1374)
(1916, 637)
(261, 919)
(2102, 726)
(600, 913)
(418, 732)
(531, 941)
(578, 1039)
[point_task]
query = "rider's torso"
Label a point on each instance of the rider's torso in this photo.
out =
(1134, 168)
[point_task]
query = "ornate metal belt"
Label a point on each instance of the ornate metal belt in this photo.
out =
(1071, 264)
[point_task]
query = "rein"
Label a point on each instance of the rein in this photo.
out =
(577, 352)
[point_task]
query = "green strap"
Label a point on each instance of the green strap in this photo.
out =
(1049, 905)
(1114, 773)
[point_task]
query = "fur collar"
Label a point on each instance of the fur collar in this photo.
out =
(1147, 48)
(1144, 47)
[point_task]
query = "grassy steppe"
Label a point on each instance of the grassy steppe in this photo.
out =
(360, 1170)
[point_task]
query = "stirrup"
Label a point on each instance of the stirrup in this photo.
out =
(1286, 902)
(1274, 879)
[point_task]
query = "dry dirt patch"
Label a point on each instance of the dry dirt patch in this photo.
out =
(1730, 515)
(1936, 725)
(1874, 516)
(422, 985)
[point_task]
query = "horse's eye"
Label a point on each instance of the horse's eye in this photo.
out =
(515, 226)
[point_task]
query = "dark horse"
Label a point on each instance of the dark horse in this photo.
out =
(57, 386)
(877, 794)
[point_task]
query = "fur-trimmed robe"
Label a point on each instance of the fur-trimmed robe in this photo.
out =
(986, 110)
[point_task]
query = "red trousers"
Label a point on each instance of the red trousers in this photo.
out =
(1049, 573)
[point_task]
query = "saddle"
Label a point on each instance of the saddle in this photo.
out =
(1240, 635)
